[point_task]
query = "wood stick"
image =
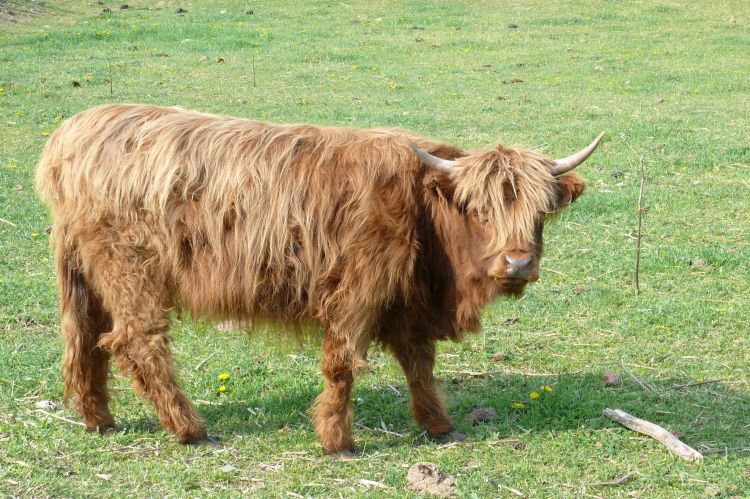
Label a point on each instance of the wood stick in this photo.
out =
(698, 383)
(200, 364)
(668, 440)
(59, 417)
(613, 483)
(638, 234)
(511, 490)
(111, 90)
(635, 378)
(7, 222)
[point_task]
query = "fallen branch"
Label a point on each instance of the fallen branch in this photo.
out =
(654, 431)
(635, 378)
(613, 483)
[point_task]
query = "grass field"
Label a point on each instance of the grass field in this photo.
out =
(668, 80)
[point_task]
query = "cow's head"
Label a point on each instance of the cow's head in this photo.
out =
(507, 194)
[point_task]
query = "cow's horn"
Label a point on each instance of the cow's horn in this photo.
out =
(564, 165)
(439, 164)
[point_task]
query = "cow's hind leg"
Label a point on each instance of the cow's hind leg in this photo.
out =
(417, 359)
(333, 409)
(140, 307)
(85, 365)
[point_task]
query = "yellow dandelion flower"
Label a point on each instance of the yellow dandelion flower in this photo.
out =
(546, 388)
(534, 395)
(221, 389)
(700, 380)
(223, 377)
(518, 405)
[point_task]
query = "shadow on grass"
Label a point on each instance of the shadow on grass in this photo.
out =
(705, 416)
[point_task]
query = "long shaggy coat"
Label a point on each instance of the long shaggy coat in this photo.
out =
(157, 209)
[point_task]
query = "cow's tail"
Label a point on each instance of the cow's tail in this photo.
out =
(83, 319)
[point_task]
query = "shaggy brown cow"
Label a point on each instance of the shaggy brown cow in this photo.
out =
(362, 231)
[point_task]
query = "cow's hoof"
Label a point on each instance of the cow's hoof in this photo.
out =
(450, 437)
(343, 455)
(206, 442)
(107, 430)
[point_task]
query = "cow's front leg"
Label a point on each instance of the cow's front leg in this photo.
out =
(333, 409)
(417, 359)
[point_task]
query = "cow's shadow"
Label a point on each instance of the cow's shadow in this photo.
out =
(710, 415)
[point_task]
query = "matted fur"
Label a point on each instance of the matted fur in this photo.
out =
(157, 209)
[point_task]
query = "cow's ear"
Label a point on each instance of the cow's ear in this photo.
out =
(570, 186)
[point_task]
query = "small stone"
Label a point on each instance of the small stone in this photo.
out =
(426, 477)
(228, 468)
(697, 262)
(481, 414)
(611, 378)
(498, 356)
(599, 68)
(46, 404)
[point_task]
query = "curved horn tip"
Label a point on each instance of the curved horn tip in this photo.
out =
(565, 165)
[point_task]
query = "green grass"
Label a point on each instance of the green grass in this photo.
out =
(668, 81)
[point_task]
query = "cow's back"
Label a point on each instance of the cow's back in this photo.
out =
(243, 218)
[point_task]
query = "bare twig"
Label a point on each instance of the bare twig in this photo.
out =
(555, 272)
(613, 483)
(111, 89)
(638, 234)
(698, 383)
(667, 439)
(201, 363)
(635, 378)
(59, 417)
(8, 222)
(472, 374)
(511, 490)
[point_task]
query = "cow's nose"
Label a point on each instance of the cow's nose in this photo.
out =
(519, 267)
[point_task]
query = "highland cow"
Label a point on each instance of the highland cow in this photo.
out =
(375, 235)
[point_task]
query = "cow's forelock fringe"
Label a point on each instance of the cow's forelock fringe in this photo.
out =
(510, 189)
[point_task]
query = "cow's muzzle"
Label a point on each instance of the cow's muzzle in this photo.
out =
(519, 267)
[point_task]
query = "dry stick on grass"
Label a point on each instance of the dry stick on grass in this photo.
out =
(635, 378)
(59, 417)
(201, 363)
(698, 383)
(7, 222)
(111, 89)
(638, 234)
(656, 432)
(613, 483)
